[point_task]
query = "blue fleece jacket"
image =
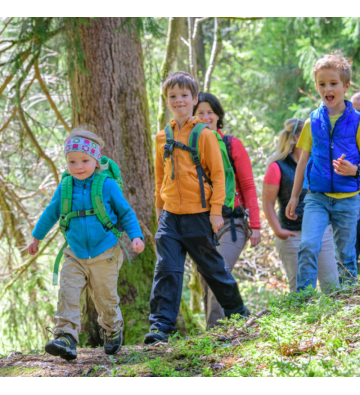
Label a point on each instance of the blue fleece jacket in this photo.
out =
(86, 235)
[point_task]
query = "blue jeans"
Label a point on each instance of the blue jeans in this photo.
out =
(319, 211)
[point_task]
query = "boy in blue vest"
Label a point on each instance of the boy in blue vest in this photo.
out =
(331, 180)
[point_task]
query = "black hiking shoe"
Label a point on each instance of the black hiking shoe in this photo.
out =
(244, 313)
(112, 343)
(156, 336)
(64, 346)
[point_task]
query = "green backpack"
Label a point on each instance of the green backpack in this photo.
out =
(193, 149)
(111, 171)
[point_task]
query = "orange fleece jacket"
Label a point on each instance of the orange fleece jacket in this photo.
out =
(182, 195)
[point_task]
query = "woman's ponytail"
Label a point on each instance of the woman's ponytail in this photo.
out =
(286, 142)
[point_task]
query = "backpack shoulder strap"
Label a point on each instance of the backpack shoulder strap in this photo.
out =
(195, 156)
(227, 139)
(66, 203)
(97, 201)
(169, 134)
(169, 147)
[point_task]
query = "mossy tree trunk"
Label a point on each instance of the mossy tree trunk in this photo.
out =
(111, 95)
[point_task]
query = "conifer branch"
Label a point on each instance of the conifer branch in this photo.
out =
(31, 135)
(49, 98)
(26, 265)
(15, 109)
(6, 25)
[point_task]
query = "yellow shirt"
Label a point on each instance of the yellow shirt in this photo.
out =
(305, 142)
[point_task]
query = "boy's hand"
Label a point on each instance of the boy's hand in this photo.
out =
(159, 210)
(138, 245)
(344, 167)
(34, 246)
(291, 207)
(217, 222)
(283, 234)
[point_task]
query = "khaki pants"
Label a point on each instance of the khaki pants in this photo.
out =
(230, 251)
(100, 274)
(328, 274)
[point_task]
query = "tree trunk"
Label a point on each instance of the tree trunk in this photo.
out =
(112, 96)
(200, 56)
(167, 66)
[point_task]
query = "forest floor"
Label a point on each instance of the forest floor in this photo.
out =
(304, 335)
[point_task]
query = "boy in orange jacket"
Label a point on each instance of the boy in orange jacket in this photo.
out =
(187, 217)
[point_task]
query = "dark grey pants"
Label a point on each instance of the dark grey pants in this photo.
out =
(176, 236)
(230, 251)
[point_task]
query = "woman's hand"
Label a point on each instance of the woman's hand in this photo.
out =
(34, 246)
(217, 222)
(255, 237)
(291, 207)
(283, 234)
(138, 245)
(344, 167)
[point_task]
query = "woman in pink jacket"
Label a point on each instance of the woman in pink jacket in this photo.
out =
(234, 234)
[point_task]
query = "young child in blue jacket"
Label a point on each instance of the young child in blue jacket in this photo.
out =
(93, 258)
(328, 137)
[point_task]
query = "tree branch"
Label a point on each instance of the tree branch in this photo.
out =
(41, 153)
(192, 60)
(214, 55)
(241, 18)
(196, 25)
(11, 76)
(168, 64)
(6, 25)
(47, 94)
(184, 41)
(15, 109)
(16, 200)
(26, 265)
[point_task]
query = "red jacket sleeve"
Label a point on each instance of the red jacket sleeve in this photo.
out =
(245, 182)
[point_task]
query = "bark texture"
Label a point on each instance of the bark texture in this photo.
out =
(112, 96)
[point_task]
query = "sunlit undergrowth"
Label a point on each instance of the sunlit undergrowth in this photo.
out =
(299, 335)
(302, 335)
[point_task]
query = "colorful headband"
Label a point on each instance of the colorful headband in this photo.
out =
(79, 144)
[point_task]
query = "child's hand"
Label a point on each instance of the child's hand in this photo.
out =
(34, 246)
(138, 245)
(283, 234)
(291, 207)
(159, 210)
(217, 222)
(344, 167)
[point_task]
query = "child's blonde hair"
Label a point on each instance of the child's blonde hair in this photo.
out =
(286, 142)
(86, 131)
(337, 62)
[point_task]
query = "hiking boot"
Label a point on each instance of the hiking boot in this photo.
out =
(112, 343)
(244, 313)
(64, 346)
(156, 336)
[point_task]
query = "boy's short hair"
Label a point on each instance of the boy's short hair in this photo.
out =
(337, 62)
(86, 131)
(184, 80)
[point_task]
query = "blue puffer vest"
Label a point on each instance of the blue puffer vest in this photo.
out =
(319, 174)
